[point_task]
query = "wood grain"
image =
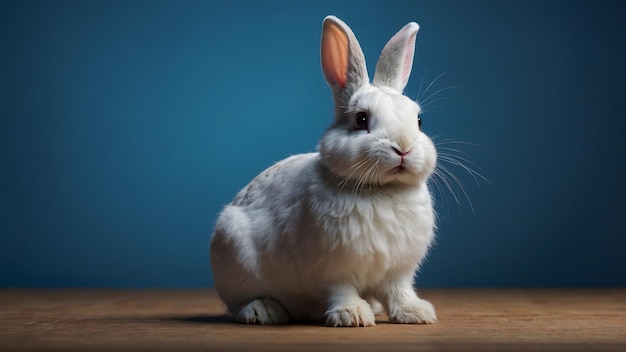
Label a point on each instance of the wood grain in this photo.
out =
(492, 320)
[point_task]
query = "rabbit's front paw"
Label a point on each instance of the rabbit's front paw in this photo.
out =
(354, 314)
(419, 311)
(263, 311)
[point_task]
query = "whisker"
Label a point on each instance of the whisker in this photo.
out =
(356, 186)
(419, 90)
(370, 177)
(461, 165)
(460, 184)
(427, 104)
(359, 163)
(438, 188)
(449, 153)
(425, 101)
(355, 168)
(378, 178)
(444, 179)
(362, 179)
(419, 96)
(454, 150)
(448, 141)
(457, 160)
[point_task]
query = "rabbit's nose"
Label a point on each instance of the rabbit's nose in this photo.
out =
(399, 152)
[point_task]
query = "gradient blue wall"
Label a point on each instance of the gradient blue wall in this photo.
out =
(127, 125)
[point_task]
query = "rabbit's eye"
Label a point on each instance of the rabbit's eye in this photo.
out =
(419, 122)
(361, 121)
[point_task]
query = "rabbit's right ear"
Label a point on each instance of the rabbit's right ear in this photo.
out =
(343, 62)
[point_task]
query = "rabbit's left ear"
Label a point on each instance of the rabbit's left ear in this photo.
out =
(395, 62)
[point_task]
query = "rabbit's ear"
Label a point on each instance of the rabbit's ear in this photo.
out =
(395, 62)
(343, 62)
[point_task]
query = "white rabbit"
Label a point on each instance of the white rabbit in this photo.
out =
(316, 234)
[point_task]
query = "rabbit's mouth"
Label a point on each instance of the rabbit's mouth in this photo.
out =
(402, 174)
(398, 170)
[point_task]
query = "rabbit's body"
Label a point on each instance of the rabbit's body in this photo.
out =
(293, 233)
(315, 234)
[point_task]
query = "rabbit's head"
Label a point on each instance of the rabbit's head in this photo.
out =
(376, 137)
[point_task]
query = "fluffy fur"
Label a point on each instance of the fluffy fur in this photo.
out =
(315, 235)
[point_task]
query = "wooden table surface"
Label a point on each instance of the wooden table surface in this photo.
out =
(495, 320)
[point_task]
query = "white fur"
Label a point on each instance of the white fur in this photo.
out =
(316, 234)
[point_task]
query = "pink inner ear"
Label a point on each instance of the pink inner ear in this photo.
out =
(408, 58)
(335, 55)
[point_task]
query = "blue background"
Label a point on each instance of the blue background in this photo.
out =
(127, 125)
